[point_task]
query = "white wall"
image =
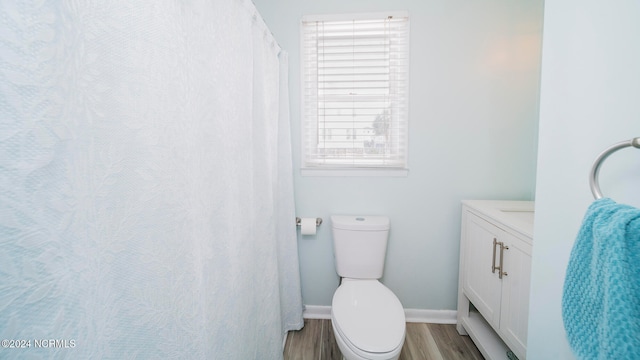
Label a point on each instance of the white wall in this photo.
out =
(473, 123)
(590, 99)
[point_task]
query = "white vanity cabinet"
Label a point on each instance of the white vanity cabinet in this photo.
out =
(495, 272)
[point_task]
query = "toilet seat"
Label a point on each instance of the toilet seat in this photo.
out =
(369, 318)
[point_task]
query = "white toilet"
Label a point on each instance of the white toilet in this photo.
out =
(367, 318)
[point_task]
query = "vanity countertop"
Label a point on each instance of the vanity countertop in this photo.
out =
(518, 215)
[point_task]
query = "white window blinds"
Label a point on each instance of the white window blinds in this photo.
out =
(355, 91)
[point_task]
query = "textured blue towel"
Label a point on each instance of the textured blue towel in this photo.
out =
(601, 300)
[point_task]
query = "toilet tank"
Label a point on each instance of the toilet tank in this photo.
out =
(360, 245)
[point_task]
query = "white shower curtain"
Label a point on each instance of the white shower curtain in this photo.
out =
(146, 195)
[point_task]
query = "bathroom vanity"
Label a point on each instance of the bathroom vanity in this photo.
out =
(495, 272)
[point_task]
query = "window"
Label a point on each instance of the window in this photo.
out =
(355, 91)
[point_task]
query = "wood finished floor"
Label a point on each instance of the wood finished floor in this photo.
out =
(423, 342)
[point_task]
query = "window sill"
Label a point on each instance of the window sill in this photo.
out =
(353, 172)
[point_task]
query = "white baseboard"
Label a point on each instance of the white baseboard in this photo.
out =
(431, 316)
(316, 312)
(412, 315)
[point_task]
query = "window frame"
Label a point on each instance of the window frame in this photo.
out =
(332, 167)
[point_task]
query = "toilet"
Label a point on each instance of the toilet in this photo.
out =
(367, 318)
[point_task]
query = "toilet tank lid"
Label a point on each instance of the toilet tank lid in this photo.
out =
(360, 223)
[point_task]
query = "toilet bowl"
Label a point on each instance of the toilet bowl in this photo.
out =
(368, 320)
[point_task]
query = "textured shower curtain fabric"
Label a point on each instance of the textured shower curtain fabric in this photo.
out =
(146, 201)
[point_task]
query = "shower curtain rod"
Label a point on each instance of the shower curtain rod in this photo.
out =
(595, 169)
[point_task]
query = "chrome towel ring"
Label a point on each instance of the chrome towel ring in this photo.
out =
(593, 179)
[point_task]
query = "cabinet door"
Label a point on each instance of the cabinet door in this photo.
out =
(482, 287)
(515, 294)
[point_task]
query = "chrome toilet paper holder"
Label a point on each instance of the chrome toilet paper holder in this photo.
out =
(299, 221)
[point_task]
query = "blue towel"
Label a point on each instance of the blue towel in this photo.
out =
(601, 300)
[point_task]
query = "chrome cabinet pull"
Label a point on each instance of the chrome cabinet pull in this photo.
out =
(503, 247)
(502, 273)
(493, 261)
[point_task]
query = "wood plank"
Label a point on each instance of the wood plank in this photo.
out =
(451, 344)
(329, 346)
(419, 344)
(303, 344)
